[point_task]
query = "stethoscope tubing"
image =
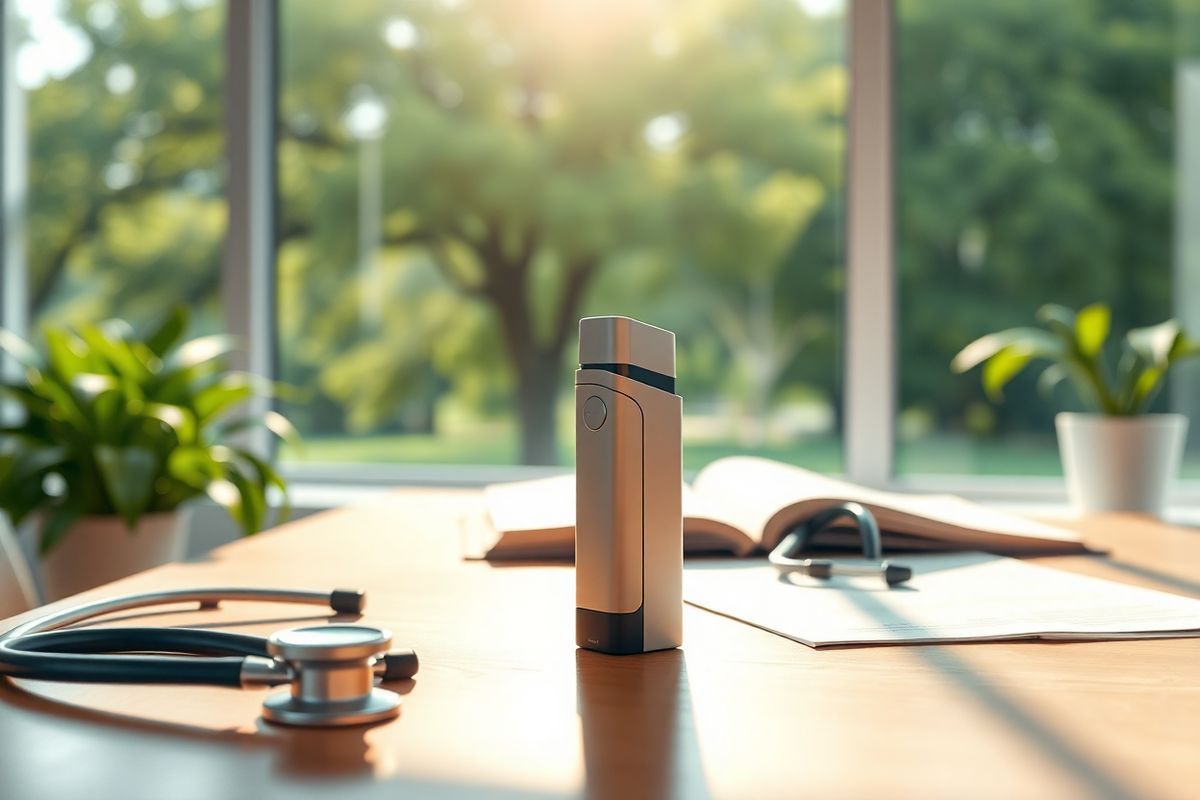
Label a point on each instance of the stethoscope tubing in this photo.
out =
(341, 601)
(784, 557)
(89, 655)
(40, 649)
(332, 670)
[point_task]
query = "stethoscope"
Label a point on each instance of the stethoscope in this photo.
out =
(331, 669)
(783, 557)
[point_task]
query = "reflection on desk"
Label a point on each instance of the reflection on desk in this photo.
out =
(636, 719)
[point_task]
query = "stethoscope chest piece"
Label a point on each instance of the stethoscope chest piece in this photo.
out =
(333, 681)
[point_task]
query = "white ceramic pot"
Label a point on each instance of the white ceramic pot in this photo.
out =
(1120, 463)
(98, 550)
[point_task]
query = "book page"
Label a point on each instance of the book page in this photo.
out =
(536, 519)
(540, 504)
(767, 498)
(952, 597)
(750, 491)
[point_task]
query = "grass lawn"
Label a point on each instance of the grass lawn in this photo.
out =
(822, 454)
(931, 455)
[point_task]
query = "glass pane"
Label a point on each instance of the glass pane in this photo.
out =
(122, 115)
(461, 181)
(1048, 153)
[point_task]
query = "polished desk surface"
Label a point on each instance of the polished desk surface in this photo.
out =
(504, 705)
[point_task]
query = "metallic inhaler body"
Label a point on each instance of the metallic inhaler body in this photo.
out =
(628, 491)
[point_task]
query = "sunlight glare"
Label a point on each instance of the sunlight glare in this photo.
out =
(400, 34)
(662, 133)
(821, 8)
(156, 9)
(102, 15)
(55, 48)
(120, 78)
(367, 117)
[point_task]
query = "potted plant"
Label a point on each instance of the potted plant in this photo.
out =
(1118, 458)
(116, 433)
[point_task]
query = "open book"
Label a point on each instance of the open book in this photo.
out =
(742, 505)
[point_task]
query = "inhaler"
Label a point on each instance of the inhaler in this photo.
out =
(628, 489)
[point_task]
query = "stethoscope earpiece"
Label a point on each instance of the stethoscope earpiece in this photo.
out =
(785, 555)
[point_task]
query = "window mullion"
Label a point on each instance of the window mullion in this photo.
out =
(870, 303)
(14, 290)
(247, 276)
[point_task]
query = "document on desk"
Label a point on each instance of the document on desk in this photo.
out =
(952, 597)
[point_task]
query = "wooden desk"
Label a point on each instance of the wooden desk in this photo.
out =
(505, 705)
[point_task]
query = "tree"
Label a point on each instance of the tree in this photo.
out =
(544, 160)
(537, 145)
(1035, 165)
(125, 210)
(742, 236)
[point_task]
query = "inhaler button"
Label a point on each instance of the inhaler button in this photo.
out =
(594, 413)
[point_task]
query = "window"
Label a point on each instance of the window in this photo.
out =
(456, 182)
(1047, 152)
(118, 128)
(460, 181)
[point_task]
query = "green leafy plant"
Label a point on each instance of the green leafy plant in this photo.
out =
(1074, 344)
(116, 424)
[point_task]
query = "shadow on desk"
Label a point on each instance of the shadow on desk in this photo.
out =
(298, 753)
(1155, 577)
(636, 718)
(1090, 773)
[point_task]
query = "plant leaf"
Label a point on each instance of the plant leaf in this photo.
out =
(179, 419)
(34, 404)
(128, 429)
(89, 385)
(116, 329)
(1002, 367)
(19, 349)
(225, 494)
(66, 353)
(1061, 322)
(169, 332)
(253, 501)
(1054, 314)
(1051, 377)
(61, 401)
(222, 397)
(119, 353)
(128, 474)
(1129, 369)
(59, 520)
(1037, 342)
(1092, 324)
(1144, 388)
(194, 466)
(268, 476)
(1157, 344)
(202, 350)
(282, 427)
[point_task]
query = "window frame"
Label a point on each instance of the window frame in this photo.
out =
(248, 269)
(13, 288)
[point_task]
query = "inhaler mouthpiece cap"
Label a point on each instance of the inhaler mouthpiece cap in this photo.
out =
(621, 340)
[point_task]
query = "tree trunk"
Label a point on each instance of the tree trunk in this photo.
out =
(538, 389)
(537, 364)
